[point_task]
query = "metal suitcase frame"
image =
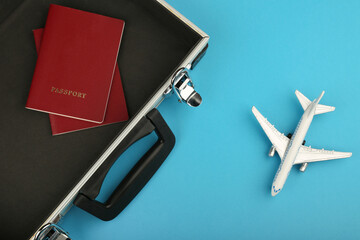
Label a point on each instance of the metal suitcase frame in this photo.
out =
(145, 121)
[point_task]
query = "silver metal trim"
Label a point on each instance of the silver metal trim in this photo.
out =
(184, 19)
(66, 204)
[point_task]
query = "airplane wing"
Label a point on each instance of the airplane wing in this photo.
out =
(279, 140)
(308, 154)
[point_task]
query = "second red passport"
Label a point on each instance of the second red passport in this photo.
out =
(75, 67)
(116, 109)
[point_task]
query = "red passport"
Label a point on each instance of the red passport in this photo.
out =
(76, 64)
(116, 109)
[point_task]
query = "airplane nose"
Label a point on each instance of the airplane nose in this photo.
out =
(274, 191)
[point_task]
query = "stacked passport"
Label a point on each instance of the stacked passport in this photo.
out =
(77, 79)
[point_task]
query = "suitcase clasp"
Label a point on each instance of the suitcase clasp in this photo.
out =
(52, 232)
(184, 88)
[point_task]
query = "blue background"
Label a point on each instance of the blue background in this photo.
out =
(216, 182)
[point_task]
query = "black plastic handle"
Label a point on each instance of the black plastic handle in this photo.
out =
(138, 176)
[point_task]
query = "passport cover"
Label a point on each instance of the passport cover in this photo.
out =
(76, 63)
(116, 109)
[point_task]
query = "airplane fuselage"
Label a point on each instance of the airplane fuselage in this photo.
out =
(293, 149)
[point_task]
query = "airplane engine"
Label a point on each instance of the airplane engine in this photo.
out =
(272, 151)
(303, 167)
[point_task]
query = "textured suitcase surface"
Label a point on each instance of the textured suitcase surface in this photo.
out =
(37, 169)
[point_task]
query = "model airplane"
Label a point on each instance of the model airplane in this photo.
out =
(291, 148)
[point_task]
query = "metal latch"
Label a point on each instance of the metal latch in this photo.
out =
(184, 88)
(52, 232)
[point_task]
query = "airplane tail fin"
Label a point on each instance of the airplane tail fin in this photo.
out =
(305, 102)
(323, 109)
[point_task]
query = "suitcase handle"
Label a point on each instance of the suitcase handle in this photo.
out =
(138, 176)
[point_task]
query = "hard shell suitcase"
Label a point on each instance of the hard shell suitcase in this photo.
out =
(43, 176)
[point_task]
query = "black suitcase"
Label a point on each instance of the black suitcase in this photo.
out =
(43, 176)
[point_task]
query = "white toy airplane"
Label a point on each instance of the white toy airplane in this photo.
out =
(291, 149)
